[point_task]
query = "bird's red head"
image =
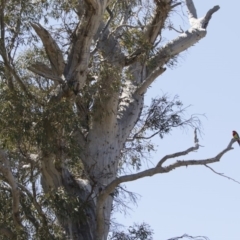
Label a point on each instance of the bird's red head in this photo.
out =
(234, 132)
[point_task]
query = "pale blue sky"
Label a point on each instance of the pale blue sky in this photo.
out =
(194, 200)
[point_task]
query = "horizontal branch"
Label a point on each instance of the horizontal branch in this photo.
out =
(175, 47)
(160, 169)
(186, 236)
(52, 49)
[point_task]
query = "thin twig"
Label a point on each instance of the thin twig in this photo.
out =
(222, 174)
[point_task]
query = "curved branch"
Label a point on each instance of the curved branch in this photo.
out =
(189, 237)
(160, 169)
(152, 171)
(208, 16)
(52, 49)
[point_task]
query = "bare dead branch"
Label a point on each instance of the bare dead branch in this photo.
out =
(173, 28)
(104, 35)
(161, 169)
(192, 13)
(178, 154)
(52, 49)
(208, 16)
(157, 170)
(217, 158)
(79, 53)
(222, 174)
(155, 27)
(189, 237)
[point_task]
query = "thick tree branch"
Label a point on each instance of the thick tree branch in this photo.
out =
(52, 49)
(148, 81)
(79, 56)
(192, 13)
(44, 71)
(182, 153)
(164, 169)
(208, 16)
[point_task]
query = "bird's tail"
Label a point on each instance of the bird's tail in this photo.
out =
(238, 142)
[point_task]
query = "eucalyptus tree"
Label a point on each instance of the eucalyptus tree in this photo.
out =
(73, 76)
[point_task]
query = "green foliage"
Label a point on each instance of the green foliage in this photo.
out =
(159, 119)
(65, 205)
(136, 232)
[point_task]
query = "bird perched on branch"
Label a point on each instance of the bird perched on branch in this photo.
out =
(236, 136)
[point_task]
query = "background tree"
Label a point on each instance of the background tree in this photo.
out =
(72, 109)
